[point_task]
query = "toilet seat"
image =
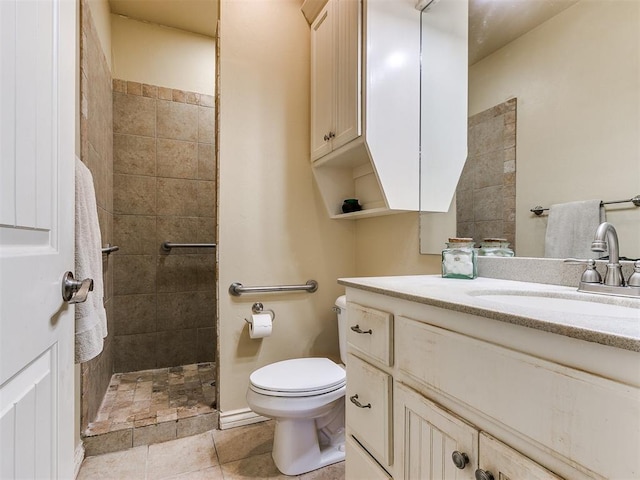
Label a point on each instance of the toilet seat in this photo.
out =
(299, 377)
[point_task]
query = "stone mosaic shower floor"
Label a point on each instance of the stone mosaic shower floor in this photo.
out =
(152, 406)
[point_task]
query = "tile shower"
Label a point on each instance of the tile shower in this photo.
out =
(152, 154)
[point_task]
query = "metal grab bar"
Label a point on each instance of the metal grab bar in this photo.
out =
(635, 200)
(167, 246)
(110, 248)
(236, 289)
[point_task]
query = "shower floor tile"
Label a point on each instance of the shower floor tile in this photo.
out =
(150, 406)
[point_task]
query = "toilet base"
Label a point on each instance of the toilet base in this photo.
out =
(296, 449)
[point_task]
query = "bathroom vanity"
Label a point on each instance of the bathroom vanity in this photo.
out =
(490, 378)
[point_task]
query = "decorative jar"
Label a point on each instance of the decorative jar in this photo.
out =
(459, 259)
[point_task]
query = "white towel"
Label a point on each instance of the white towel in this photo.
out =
(571, 228)
(91, 317)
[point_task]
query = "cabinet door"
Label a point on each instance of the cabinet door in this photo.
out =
(348, 115)
(504, 463)
(323, 80)
(427, 437)
(360, 465)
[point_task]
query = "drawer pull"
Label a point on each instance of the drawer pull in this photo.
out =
(460, 459)
(354, 400)
(483, 475)
(357, 329)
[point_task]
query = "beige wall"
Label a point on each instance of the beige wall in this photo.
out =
(273, 225)
(101, 14)
(163, 56)
(576, 78)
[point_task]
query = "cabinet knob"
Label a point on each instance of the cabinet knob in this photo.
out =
(357, 329)
(460, 459)
(326, 138)
(483, 475)
(354, 400)
(332, 135)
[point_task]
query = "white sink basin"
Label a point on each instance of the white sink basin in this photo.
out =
(564, 302)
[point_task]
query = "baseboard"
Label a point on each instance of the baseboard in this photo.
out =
(78, 457)
(238, 418)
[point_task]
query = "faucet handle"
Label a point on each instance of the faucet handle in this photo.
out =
(591, 275)
(634, 278)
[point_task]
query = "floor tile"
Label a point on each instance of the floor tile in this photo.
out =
(211, 473)
(129, 464)
(330, 472)
(181, 456)
(238, 443)
(252, 468)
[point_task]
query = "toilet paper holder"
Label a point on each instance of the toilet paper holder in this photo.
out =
(259, 308)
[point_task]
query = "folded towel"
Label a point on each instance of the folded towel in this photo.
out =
(571, 227)
(91, 317)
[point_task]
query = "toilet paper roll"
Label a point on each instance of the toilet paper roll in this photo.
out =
(260, 325)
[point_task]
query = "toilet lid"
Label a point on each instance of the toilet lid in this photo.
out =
(310, 376)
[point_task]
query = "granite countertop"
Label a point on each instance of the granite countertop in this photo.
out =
(608, 320)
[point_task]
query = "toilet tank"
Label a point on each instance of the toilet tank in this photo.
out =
(341, 310)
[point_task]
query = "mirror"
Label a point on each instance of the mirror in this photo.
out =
(573, 67)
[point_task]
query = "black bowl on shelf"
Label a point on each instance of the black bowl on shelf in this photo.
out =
(351, 205)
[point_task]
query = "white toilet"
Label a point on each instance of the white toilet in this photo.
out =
(305, 396)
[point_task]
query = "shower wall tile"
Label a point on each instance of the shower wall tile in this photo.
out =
(135, 234)
(206, 162)
(135, 314)
(134, 154)
(135, 352)
(206, 125)
(164, 187)
(178, 230)
(177, 159)
(177, 197)
(177, 347)
(485, 196)
(177, 120)
(134, 274)
(206, 198)
(134, 194)
(96, 150)
(206, 344)
(134, 115)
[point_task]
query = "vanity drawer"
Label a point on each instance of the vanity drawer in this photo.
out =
(361, 465)
(370, 331)
(369, 413)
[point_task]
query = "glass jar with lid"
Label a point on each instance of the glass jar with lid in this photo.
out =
(459, 259)
(495, 247)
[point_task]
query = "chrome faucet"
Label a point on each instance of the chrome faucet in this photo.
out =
(606, 238)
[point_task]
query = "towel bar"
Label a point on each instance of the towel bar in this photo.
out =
(167, 246)
(635, 200)
(236, 289)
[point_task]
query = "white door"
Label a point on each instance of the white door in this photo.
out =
(37, 144)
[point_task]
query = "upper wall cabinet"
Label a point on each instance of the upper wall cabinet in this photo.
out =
(365, 108)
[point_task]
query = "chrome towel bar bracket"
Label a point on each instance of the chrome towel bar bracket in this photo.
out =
(236, 289)
(108, 248)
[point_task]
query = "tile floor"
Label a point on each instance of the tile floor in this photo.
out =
(240, 453)
(150, 406)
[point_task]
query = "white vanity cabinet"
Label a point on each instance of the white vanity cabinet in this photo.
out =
(474, 397)
(365, 109)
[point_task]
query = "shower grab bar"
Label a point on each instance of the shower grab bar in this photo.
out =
(107, 249)
(635, 200)
(236, 289)
(167, 246)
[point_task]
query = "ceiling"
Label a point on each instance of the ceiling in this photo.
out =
(492, 23)
(197, 16)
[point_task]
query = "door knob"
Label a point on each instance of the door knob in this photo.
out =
(460, 459)
(75, 291)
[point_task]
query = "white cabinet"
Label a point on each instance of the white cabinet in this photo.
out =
(335, 77)
(365, 111)
(492, 396)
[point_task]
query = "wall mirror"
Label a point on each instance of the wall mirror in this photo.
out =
(573, 70)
